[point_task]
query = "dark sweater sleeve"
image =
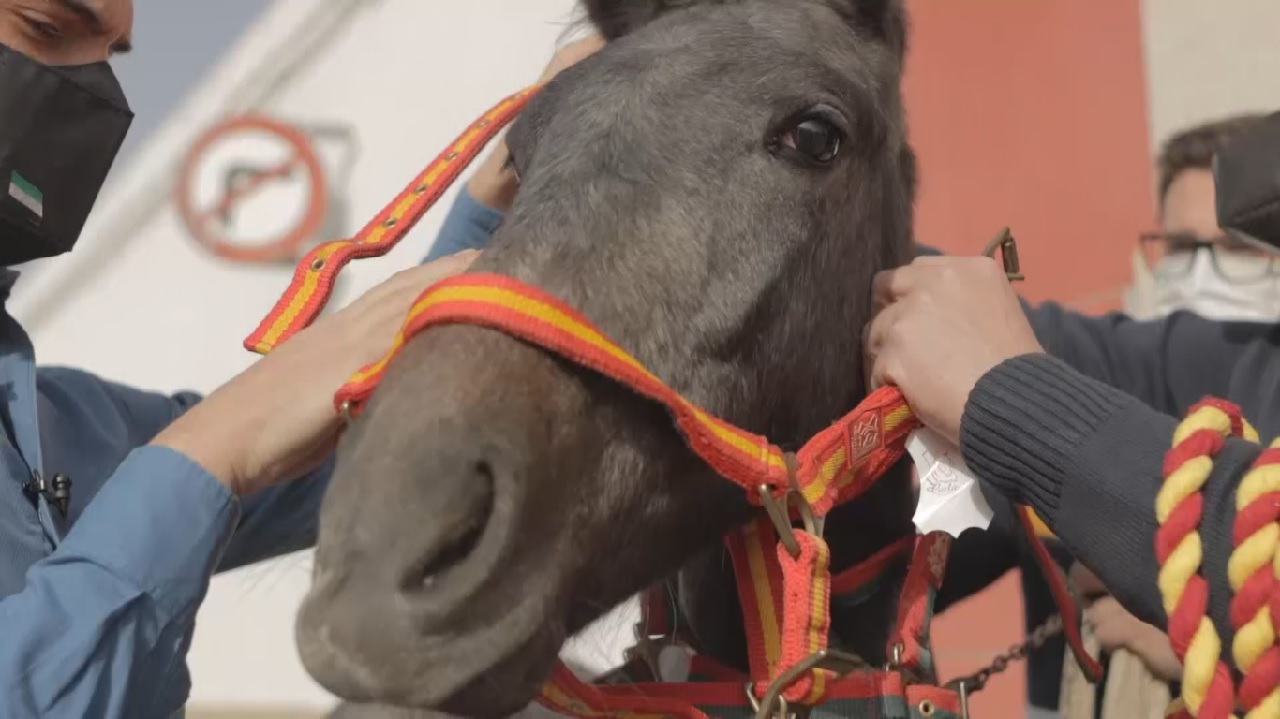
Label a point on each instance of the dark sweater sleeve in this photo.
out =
(1088, 458)
(1169, 363)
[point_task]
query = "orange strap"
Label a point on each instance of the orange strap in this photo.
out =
(767, 582)
(836, 465)
(872, 692)
(316, 273)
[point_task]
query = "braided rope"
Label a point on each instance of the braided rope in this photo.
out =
(1208, 690)
(1251, 572)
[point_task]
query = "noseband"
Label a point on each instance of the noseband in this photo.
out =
(784, 579)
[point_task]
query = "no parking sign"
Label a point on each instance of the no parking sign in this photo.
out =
(254, 189)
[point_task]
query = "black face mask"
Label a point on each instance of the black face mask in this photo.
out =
(60, 130)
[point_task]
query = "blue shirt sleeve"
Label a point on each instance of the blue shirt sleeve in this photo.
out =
(468, 226)
(105, 621)
(78, 405)
(280, 519)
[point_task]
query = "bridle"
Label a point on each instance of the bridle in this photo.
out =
(780, 557)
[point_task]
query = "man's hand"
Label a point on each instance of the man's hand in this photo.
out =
(1116, 628)
(943, 323)
(493, 184)
(1085, 582)
(571, 54)
(276, 420)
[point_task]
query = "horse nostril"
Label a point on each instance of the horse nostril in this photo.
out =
(464, 526)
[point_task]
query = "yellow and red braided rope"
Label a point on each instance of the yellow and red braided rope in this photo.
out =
(1254, 573)
(1208, 689)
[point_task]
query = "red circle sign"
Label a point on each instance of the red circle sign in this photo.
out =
(207, 224)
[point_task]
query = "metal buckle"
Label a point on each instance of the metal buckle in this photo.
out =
(909, 676)
(779, 513)
(841, 663)
(1008, 247)
(647, 651)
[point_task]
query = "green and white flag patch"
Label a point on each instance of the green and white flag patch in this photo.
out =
(26, 193)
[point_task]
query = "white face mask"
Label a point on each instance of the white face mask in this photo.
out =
(1204, 291)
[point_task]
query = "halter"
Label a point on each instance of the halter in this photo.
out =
(784, 580)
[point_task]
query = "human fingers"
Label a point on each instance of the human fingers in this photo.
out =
(889, 286)
(367, 327)
(571, 54)
(1086, 583)
(1112, 625)
(880, 360)
(429, 273)
(927, 271)
(414, 280)
(277, 418)
(876, 332)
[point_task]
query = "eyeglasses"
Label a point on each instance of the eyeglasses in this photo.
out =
(1171, 255)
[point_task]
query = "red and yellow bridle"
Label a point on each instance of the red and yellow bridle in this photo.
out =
(783, 571)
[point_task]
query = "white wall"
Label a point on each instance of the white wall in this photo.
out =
(1209, 59)
(149, 307)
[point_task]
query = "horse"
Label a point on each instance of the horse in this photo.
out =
(715, 189)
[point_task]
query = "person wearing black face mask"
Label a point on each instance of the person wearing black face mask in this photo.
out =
(116, 505)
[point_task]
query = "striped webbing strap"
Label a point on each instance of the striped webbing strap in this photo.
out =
(834, 466)
(317, 271)
(878, 693)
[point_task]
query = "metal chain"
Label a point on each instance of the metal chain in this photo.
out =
(974, 682)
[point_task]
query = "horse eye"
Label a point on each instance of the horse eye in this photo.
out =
(815, 139)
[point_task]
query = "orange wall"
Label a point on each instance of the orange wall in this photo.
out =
(1031, 114)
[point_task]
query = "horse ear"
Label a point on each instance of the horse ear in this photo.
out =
(884, 20)
(615, 18)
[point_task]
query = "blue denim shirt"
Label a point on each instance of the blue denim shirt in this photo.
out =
(97, 608)
(468, 226)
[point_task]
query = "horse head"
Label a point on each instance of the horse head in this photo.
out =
(715, 189)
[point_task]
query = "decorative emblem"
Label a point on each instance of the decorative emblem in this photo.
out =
(866, 435)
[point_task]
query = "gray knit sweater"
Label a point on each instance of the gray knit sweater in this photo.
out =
(1080, 434)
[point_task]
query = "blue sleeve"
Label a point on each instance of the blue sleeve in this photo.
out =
(280, 519)
(468, 226)
(273, 522)
(104, 622)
